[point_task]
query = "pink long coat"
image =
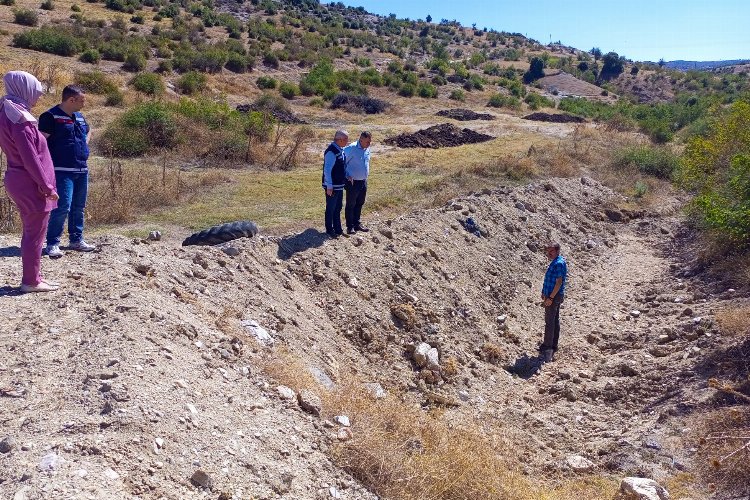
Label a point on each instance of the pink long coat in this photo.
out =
(31, 175)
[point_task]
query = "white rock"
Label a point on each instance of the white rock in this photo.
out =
(286, 393)
(159, 442)
(697, 320)
(342, 420)
(501, 319)
(579, 463)
(640, 488)
(260, 333)
(191, 408)
(50, 462)
(111, 474)
(82, 473)
(376, 390)
(420, 354)
(334, 492)
(181, 383)
(433, 359)
(635, 313)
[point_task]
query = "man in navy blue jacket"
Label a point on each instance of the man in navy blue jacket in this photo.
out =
(334, 178)
(67, 136)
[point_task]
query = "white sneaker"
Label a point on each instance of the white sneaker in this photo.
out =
(82, 246)
(54, 251)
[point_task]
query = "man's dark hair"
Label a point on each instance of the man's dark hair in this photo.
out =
(553, 244)
(71, 91)
(366, 135)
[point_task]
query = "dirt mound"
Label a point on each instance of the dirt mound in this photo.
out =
(464, 115)
(282, 115)
(438, 136)
(554, 118)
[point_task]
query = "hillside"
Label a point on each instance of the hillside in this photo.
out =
(401, 363)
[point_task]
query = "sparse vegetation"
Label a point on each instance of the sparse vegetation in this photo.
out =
(25, 17)
(504, 101)
(150, 84)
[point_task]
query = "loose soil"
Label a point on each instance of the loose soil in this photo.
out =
(464, 115)
(438, 136)
(554, 118)
(147, 365)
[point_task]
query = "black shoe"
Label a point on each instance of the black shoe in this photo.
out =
(351, 231)
(332, 235)
(362, 229)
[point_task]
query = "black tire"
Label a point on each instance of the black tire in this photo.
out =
(222, 233)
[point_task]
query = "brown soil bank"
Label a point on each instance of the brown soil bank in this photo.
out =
(464, 115)
(438, 136)
(554, 118)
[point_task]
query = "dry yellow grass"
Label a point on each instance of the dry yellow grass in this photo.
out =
(403, 452)
(734, 321)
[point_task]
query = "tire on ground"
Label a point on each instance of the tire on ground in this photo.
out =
(222, 233)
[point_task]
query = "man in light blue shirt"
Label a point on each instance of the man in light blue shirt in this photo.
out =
(357, 171)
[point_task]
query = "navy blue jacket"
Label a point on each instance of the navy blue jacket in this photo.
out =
(67, 139)
(334, 167)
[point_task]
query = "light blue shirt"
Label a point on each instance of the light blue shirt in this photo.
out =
(357, 162)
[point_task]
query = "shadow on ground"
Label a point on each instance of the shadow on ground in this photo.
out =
(307, 239)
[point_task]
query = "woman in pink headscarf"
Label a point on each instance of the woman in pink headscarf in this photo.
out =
(30, 178)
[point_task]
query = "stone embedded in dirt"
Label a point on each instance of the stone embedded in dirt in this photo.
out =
(635, 313)
(111, 474)
(344, 434)
(554, 118)
(154, 236)
(615, 215)
(260, 333)
(433, 360)
(639, 488)
(7, 444)
(310, 402)
(342, 420)
(579, 463)
(386, 232)
(420, 354)
(202, 479)
(231, 251)
(464, 115)
(285, 392)
(438, 136)
(50, 462)
(375, 389)
(659, 351)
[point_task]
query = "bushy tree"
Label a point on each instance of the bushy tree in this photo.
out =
(612, 65)
(536, 70)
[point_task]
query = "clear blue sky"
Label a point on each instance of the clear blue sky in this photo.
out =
(642, 30)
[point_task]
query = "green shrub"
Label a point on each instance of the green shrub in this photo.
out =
(137, 19)
(657, 161)
(457, 95)
(536, 101)
(536, 70)
(91, 56)
(407, 90)
(717, 169)
(7, 2)
(148, 83)
(164, 67)
(141, 129)
(271, 60)
(47, 5)
(134, 61)
(236, 63)
(504, 101)
(266, 82)
(25, 17)
(75, 8)
(427, 90)
(288, 90)
(95, 82)
(192, 82)
(114, 98)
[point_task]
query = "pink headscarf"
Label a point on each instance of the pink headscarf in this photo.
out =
(22, 91)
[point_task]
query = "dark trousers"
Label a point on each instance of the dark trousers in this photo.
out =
(356, 192)
(552, 324)
(333, 212)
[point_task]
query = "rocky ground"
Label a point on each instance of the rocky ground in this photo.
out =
(142, 377)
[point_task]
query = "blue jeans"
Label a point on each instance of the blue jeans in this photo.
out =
(72, 187)
(333, 211)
